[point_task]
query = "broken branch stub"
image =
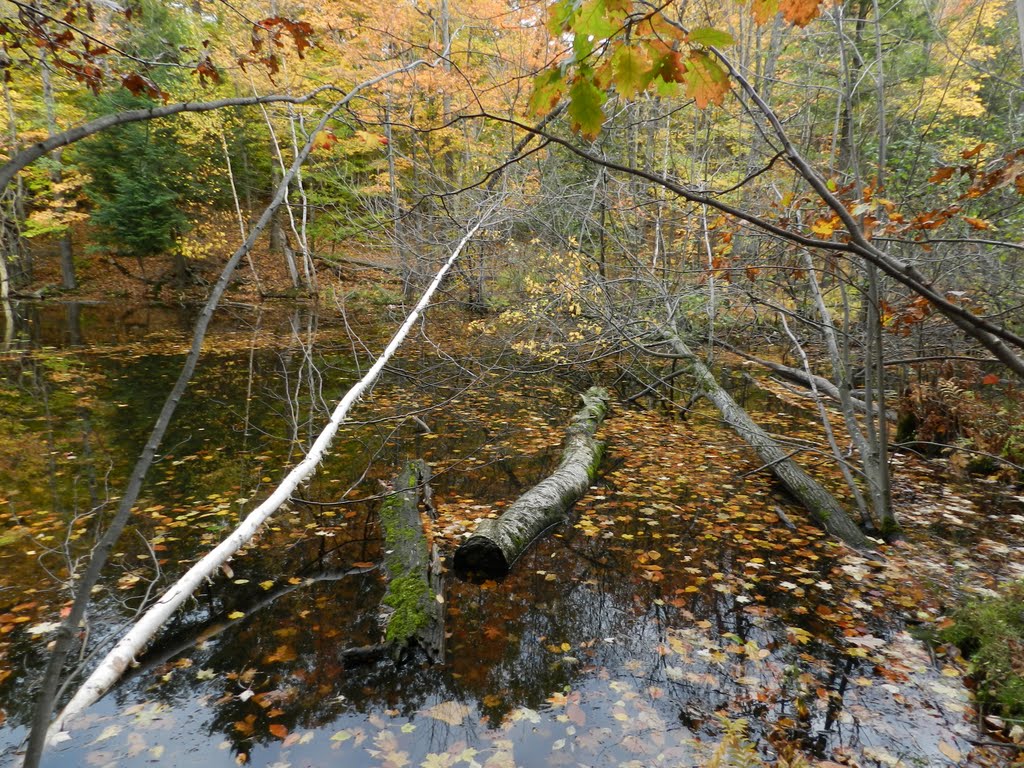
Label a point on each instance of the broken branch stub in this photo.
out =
(497, 544)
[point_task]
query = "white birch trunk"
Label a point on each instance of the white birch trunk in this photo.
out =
(497, 544)
(132, 643)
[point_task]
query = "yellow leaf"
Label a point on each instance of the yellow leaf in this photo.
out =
(236, 615)
(823, 227)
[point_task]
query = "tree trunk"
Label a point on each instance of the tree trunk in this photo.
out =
(117, 660)
(818, 501)
(413, 573)
(498, 543)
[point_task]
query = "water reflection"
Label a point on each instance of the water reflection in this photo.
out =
(619, 639)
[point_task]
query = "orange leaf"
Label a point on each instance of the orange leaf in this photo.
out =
(245, 727)
(977, 223)
(765, 10)
(278, 730)
(967, 154)
(942, 174)
(706, 82)
(799, 12)
(990, 379)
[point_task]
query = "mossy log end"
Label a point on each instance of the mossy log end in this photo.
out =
(822, 505)
(497, 544)
(413, 578)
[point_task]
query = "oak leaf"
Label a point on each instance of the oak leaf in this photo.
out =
(709, 36)
(706, 82)
(800, 12)
(548, 89)
(632, 69)
(585, 108)
(764, 10)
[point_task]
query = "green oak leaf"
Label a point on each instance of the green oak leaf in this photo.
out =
(708, 36)
(631, 67)
(586, 100)
(548, 89)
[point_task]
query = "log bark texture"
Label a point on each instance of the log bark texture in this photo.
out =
(497, 544)
(819, 502)
(413, 574)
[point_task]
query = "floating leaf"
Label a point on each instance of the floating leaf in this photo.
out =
(950, 751)
(451, 712)
(108, 733)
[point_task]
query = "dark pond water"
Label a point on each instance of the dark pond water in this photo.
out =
(674, 606)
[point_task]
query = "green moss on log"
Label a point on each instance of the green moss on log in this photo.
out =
(410, 597)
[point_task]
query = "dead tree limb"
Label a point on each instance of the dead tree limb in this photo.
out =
(818, 501)
(497, 544)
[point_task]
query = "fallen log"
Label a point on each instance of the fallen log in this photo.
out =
(497, 544)
(818, 501)
(414, 580)
(117, 660)
(797, 376)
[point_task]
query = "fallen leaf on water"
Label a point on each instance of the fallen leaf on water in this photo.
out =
(950, 751)
(108, 733)
(451, 712)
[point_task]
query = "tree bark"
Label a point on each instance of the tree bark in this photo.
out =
(413, 574)
(117, 660)
(818, 501)
(498, 543)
